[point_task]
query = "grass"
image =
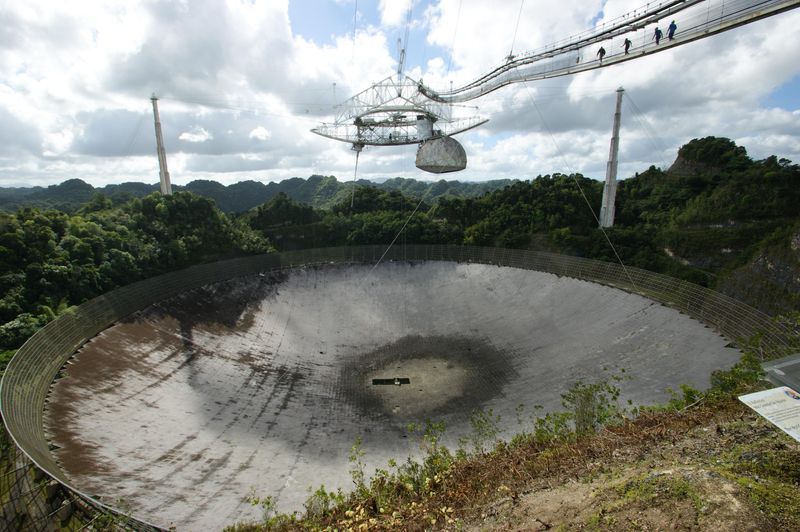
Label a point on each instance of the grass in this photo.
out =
(769, 471)
(446, 488)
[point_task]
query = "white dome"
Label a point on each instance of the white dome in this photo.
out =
(441, 155)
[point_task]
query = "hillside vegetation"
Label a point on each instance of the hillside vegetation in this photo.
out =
(716, 218)
(701, 462)
(317, 191)
(50, 260)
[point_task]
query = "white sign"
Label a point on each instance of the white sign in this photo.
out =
(781, 406)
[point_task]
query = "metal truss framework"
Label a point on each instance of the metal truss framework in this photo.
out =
(388, 114)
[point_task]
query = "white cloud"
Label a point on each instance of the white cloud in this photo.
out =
(198, 134)
(260, 133)
(77, 78)
(394, 12)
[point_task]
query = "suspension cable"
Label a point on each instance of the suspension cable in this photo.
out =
(514, 39)
(129, 144)
(401, 230)
(639, 116)
(453, 45)
(577, 184)
(357, 148)
(355, 18)
(260, 111)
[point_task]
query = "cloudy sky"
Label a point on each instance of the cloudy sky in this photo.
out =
(241, 83)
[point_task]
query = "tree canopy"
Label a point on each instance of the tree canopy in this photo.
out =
(51, 260)
(716, 217)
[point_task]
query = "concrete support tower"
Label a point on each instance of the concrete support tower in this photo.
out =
(610, 188)
(166, 186)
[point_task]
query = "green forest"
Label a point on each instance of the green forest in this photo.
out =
(716, 217)
(318, 191)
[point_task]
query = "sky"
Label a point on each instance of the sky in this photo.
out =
(241, 83)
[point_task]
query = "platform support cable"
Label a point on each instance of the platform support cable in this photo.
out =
(400, 231)
(402, 55)
(129, 145)
(355, 19)
(249, 107)
(513, 39)
(406, 296)
(640, 117)
(578, 185)
(453, 45)
(356, 148)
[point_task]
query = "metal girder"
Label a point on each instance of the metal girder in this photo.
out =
(387, 114)
(387, 133)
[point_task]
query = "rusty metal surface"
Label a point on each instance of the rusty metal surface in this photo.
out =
(264, 382)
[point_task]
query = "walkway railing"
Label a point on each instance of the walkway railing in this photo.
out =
(695, 20)
(27, 380)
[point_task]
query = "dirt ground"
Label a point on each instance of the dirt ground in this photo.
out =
(711, 466)
(731, 473)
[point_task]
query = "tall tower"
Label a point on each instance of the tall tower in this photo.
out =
(610, 188)
(166, 186)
